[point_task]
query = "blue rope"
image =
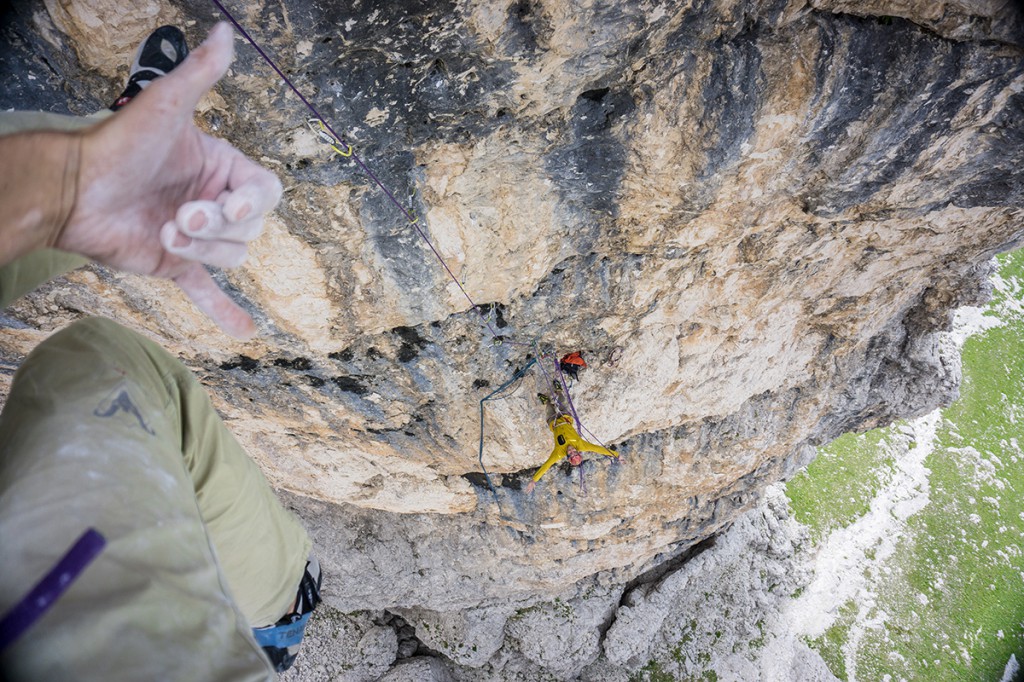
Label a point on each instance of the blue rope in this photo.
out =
(515, 377)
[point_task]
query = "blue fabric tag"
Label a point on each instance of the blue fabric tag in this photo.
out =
(282, 636)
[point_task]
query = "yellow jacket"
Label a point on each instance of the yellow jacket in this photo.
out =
(565, 435)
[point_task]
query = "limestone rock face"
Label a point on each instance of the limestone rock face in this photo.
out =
(350, 648)
(467, 638)
(723, 603)
(752, 216)
(955, 19)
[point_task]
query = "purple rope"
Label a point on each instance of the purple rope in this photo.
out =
(579, 425)
(355, 157)
(599, 442)
(565, 388)
(551, 382)
(41, 597)
(540, 363)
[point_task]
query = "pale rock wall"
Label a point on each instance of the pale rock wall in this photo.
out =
(719, 608)
(468, 638)
(752, 216)
(350, 648)
(420, 669)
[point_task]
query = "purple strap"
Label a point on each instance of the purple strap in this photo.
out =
(48, 590)
(580, 428)
(565, 387)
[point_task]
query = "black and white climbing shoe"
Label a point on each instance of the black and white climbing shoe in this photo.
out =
(164, 49)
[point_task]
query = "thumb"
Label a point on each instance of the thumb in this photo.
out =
(197, 284)
(200, 71)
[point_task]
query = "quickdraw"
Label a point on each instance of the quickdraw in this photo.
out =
(324, 135)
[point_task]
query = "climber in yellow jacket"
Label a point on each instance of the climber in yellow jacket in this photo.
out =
(568, 443)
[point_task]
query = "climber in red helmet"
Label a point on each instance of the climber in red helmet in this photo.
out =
(568, 442)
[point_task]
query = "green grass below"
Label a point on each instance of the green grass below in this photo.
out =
(837, 488)
(950, 602)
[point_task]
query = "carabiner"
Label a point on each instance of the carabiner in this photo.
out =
(347, 153)
(318, 128)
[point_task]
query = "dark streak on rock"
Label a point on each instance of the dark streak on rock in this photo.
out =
(411, 344)
(244, 363)
(346, 355)
(905, 86)
(476, 479)
(527, 29)
(350, 385)
(588, 169)
(731, 97)
(33, 70)
(299, 364)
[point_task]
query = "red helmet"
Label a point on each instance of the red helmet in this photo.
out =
(575, 358)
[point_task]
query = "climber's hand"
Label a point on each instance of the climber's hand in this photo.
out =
(530, 486)
(158, 197)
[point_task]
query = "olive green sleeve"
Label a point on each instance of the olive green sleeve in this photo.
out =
(34, 269)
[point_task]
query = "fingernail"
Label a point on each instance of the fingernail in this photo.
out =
(181, 241)
(244, 211)
(197, 221)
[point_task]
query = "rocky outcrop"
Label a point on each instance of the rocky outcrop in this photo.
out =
(720, 608)
(960, 20)
(751, 215)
